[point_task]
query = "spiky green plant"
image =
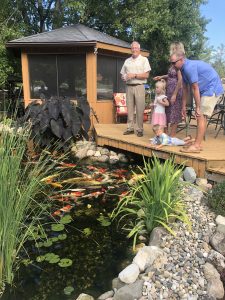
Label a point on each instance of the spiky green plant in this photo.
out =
(155, 199)
(19, 211)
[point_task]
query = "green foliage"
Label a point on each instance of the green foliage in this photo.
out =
(155, 24)
(216, 198)
(19, 211)
(154, 200)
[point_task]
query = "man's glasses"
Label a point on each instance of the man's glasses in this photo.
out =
(174, 62)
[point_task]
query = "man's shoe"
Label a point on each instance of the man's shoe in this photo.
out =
(139, 133)
(128, 132)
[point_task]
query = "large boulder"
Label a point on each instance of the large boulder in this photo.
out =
(215, 286)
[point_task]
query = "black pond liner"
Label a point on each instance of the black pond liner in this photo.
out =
(97, 258)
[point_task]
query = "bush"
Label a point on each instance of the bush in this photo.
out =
(216, 198)
(155, 199)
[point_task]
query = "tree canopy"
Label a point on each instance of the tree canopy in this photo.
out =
(155, 24)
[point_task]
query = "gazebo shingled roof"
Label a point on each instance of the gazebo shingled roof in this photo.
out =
(77, 34)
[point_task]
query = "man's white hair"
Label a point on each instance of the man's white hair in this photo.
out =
(136, 43)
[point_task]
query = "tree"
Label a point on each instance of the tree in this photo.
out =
(155, 24)
(219, 60)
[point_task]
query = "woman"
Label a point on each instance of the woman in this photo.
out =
(173, 92)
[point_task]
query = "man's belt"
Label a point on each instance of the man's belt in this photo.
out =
(135, 84)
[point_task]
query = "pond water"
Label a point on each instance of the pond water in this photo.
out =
(86, 253)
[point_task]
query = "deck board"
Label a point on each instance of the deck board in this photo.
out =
(212, 156)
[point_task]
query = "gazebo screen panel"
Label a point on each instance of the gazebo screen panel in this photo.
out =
(57, 75)
(108, 77)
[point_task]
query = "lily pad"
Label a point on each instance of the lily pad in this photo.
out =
(66, 219)
(47, 244)
(68, 290)
(49, 256)
(57, 227)
(27, 261)
(65, 262)
(40, 258)
(54, 260)
(87, 231)
(62, 237)
(104, 221)
(39, 244)
(54, 239)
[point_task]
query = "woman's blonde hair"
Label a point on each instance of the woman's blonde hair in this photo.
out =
(176, 47)
(162, 84)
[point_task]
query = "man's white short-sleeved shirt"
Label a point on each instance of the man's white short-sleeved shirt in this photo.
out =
(136, 65)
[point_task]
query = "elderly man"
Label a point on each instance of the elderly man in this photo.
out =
(135, 72)
(207, 90)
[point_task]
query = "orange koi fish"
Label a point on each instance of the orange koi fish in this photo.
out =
(66, 208)
(57, 213)
(50, 177)
(66, 165)
(54, 184)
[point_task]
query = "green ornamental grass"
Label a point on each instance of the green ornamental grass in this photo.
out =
(154, 200)
(20, 183)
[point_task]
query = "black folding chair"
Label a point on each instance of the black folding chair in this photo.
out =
(218, 116)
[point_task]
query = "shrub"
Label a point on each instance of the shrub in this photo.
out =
(216, 198)
(155, 199)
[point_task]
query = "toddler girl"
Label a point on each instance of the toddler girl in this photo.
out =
(162, 139)
(159, 115)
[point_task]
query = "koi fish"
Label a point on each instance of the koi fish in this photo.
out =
(66, 165)
(66, 208)
(57, 213)
(94, 194)
(54, 184)
(123, 194)
(50, 177)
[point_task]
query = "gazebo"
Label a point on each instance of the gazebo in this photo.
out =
(75, 61)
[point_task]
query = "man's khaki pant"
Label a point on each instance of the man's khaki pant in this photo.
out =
(135, 96)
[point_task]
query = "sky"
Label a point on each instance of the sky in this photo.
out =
(215, 10)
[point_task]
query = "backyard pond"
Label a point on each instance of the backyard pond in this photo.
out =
(77, 249)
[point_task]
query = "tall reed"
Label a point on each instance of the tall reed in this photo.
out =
(19, 185)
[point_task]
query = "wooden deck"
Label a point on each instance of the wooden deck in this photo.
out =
(209, 163)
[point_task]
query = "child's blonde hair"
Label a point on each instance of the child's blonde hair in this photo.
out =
(162, 84)
(157, 127)
(175, 47)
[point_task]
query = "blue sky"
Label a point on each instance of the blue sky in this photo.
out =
(215, 10)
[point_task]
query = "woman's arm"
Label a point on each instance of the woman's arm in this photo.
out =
(177, 88)
(156, 78)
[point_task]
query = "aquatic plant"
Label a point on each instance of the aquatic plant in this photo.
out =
(19, 210)
(154, 199)
(58, 120)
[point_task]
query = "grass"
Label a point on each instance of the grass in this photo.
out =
(19, 211)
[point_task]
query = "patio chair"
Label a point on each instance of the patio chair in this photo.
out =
(120, 107)
(218, 116)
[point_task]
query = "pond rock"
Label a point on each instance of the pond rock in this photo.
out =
(215, 285)
(156, 236)
(85, 297)
(217, 260)
(117, 283)
(129, 274)
(106, 295)
(189, 174)
(217, 241)
(130, 291)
